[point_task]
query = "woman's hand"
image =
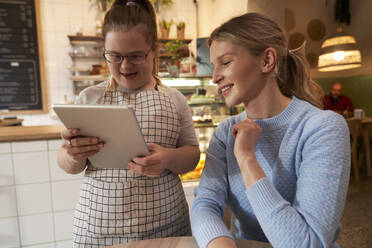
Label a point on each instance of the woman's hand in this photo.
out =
(153, 164)
(76, 149)
(246, 134)
(222, 242)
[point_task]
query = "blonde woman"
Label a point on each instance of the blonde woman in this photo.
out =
(282, 166)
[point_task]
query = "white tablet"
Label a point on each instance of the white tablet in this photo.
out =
(116, 125)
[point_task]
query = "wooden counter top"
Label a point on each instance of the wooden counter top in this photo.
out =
(24, 133)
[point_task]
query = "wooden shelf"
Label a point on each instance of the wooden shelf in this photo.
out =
(78, 56)
(188, 76)
(87, 43)
(85, 38)
(201, 125)
(205, 103)
(187, 41)
(79, 69)
(89, 78)
(165, 55)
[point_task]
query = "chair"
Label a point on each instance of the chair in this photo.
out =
(354, 127)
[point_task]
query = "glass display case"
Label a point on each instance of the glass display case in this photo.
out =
(208, 109)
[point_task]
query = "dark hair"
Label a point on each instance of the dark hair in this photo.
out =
(257, 32)
(125, 14)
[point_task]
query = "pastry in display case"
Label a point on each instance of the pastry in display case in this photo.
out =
(196, 173)
(202, 119)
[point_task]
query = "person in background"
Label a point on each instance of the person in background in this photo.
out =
(282, 166)
(146, 200)
(337, 102)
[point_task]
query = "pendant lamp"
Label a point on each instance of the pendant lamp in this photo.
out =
(340, 51)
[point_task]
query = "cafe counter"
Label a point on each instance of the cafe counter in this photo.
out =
(23, 133)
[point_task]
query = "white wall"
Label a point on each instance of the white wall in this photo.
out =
(274, 9)
(58, 19)
(213, 13)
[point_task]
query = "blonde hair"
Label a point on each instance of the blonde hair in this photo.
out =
(125, 14)
(257, 32)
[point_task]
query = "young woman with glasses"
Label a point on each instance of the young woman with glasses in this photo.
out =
(282, 166)
(146, 200)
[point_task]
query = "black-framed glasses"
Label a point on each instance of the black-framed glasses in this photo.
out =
(136, 58)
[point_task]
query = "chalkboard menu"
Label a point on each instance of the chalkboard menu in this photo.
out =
(20, 84)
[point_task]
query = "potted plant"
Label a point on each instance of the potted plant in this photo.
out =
(180, 30)
(178, 50)
(165, 27)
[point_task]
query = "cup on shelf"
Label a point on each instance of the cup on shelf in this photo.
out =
(78, 31)
(359, 113)
(82, 51)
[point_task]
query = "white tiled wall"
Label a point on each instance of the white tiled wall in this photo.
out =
(42, 233)
(9, 232)
(31, 167)
(36, 197)
(7, 194)
(6, 170)
(63, 225)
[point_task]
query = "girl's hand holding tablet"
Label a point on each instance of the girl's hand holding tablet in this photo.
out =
(79, 148)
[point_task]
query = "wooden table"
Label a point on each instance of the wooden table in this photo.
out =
(365, 121)
(184, 242)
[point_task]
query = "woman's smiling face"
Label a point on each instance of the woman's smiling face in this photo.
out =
(237, 72)
(128, 42)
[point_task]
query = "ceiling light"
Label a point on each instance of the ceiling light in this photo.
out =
(339, 52)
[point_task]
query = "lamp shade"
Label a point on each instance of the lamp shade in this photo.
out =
(339, 52)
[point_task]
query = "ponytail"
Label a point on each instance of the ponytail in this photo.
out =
(294, 79)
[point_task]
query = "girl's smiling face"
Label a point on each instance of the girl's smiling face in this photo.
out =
(237, 72)
(126, 42)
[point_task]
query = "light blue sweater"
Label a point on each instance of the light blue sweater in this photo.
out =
(305, 154)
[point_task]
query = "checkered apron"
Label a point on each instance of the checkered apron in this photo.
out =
(118, 206)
